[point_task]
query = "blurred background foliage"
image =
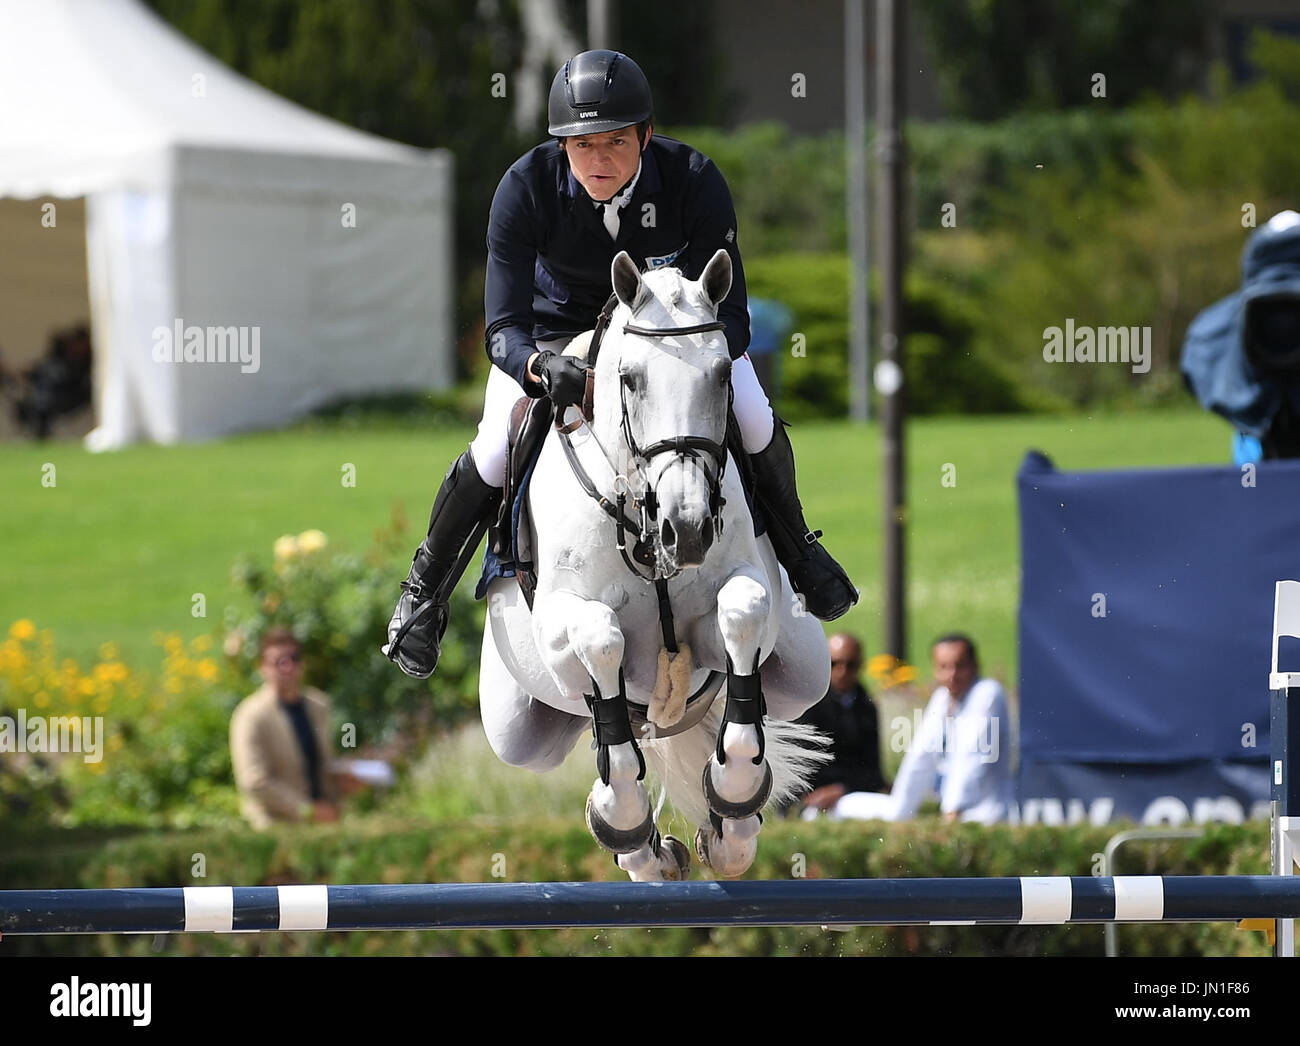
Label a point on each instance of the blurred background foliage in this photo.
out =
(1145, 46)
(1117, 211)
(338, 603)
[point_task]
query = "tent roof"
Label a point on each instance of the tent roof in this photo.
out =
(88, 87)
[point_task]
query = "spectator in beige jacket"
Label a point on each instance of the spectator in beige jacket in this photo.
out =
(280, 742)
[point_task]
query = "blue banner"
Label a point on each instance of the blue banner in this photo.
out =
(1145, 632)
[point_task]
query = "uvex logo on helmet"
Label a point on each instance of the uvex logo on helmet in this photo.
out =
(598, 91)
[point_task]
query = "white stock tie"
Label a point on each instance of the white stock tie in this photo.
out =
(611, 218)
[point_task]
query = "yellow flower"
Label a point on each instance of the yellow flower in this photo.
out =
(100, 704)
(207, 670)
(41, 699)
(22, 629)
(311, 541)
(881, 663)
(86, 686)
(112, 672)
(904, 674)
(108, 652)
(286, 547)
(201, 644)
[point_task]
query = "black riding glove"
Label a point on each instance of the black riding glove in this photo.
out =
(563, 377)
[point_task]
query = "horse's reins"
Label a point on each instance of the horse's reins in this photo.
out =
(648, 541)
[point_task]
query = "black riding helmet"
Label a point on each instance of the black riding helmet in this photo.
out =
(598, 91)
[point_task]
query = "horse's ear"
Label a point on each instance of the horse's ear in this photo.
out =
(716, 279)
(626, 280)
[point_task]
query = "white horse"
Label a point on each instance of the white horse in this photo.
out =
(597, 641)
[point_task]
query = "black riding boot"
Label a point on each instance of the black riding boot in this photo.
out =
(463, 501)
(825, 587)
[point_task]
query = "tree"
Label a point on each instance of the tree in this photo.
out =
(1048, 54)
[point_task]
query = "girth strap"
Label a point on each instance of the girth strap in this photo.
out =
(666, 616)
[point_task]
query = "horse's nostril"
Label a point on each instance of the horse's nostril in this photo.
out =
(668, 535)
(706, 534)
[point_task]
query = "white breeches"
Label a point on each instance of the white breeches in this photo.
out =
(753, 413)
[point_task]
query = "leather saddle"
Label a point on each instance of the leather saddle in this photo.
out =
(511, 535)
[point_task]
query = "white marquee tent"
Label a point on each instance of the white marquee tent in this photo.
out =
(217, 210)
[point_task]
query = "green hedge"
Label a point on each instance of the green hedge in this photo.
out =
(560, 850)
(946, 371)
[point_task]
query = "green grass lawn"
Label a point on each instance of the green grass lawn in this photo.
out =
(117, 548)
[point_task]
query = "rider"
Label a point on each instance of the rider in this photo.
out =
(561, 213)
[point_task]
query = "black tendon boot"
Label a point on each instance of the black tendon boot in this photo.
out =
(463, 501)
(825, 587)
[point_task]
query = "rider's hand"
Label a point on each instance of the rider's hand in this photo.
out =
(563, 377)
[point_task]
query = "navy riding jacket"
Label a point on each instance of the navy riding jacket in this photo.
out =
(549, 253)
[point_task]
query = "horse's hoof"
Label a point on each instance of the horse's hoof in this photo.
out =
(746, 808)
(707, 846)
(702, 847)
(681, 857)
(618, 840)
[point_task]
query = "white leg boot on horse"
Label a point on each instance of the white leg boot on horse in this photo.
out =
(576, 634)
(738, 780)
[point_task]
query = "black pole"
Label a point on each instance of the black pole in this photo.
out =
(855, 141)
(889, 372)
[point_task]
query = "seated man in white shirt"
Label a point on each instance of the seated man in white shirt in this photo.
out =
(961, 751)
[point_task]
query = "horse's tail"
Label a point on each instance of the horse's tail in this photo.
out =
(794, 752)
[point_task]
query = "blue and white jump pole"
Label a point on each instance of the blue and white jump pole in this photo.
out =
(1059, 900)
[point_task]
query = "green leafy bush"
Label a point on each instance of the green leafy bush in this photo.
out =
(338, 603)
(157, 751)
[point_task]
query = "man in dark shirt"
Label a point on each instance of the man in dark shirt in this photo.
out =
(605, 184)
(848, 715)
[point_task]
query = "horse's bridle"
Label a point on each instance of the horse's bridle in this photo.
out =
(686, 446)
(648, 541)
